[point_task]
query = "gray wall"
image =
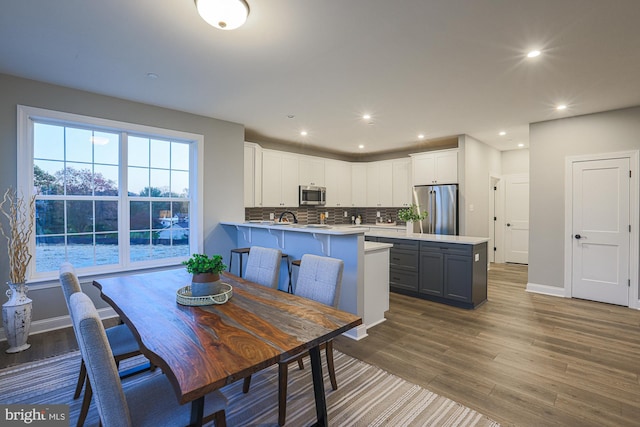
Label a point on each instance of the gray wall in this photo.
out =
(549, 145)
(515, 161)
(480, 161)
(223, 162)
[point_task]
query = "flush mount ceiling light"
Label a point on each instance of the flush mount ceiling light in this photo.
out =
(223, 14)
(502, 133)
(421, 136)
(533, 54)
(304, 133)
(561, 107)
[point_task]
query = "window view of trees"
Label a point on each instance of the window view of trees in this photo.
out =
(78, 204)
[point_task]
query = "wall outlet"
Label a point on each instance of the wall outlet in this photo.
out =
(272, 216)
(326, 214)
(477, 257)
(378, 214)
(345, 214)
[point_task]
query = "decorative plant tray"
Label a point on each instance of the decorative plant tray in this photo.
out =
(183, 296)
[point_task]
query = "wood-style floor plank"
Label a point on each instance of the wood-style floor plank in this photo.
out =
(522, 359)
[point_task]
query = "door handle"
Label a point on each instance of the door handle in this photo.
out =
(577, 236)
(508, 225)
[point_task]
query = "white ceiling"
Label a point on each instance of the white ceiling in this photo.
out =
(438, 67)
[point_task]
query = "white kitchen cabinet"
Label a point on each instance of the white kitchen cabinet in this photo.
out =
(379, 184)
(311, 171)
(252, 175)
(437, 167)
(402, 182)
(338, 183)
(279, 179)
(359, 184)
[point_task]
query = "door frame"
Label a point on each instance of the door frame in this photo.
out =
(634, 238)
(496, 209)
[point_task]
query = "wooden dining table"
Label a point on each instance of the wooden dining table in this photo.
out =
(203, 348)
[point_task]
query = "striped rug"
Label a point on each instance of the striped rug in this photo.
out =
(366, 395)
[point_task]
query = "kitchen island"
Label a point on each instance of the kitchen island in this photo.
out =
(442, 268)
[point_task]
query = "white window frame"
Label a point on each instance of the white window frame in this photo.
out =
(25, 151)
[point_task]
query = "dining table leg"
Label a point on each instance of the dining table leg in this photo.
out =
(318, 386)
(197, 412)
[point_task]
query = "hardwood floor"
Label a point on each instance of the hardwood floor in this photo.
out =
(522, 359)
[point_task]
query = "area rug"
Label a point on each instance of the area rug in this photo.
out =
(366, 395)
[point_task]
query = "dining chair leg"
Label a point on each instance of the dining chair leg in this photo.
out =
(220, 419)
(283, 371)
(81, 377)
(300, 364)
(86, 402)
(330, 365)
(246, 384)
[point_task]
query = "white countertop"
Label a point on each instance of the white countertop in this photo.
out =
(444, 238)
(376, 246)
(366, 229)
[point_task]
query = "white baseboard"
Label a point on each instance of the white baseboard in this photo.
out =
(356, 333)
(53, 323)
(545, 290)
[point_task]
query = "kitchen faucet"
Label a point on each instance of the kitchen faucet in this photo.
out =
(295, 220)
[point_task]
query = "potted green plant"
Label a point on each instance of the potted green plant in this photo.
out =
(206, 272)
(410, 215)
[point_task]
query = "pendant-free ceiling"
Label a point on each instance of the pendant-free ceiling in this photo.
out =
(223, 14)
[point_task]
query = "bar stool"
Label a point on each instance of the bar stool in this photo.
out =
(294, 263)
(240, 252)
(243, 251)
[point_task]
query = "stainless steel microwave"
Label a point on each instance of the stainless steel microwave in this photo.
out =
(311, 195)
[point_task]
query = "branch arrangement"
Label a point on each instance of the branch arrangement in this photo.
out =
(20, 214)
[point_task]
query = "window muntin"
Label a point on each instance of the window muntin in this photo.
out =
(83, 202)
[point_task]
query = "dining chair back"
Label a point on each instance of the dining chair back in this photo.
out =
(150, 402)
(122, 342)
(320, 279)
(263, 266)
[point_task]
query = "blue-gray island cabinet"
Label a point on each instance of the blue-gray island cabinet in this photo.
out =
(446, 269)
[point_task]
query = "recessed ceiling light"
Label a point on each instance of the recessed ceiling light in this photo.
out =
(152, 76)
(521, 145)
(361, 146)
(421, 136)
(561, 107)
(533, 54)
(290, 116)
(502, 133)
(366, 116)
(303, 133)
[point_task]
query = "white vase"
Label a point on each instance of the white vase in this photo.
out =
(16, 317)
(409, 227)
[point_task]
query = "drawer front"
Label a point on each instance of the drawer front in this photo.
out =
(447, 248)
(403, 259)
(401, 243)
(403, 279)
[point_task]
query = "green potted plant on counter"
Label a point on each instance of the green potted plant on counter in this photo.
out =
(206, 272)
(410, 215)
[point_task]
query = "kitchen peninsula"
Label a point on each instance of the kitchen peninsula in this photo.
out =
(344, 243)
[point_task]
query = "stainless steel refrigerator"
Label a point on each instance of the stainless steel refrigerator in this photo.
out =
(441, 202)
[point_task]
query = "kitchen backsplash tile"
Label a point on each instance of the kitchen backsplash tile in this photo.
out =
(311, 214)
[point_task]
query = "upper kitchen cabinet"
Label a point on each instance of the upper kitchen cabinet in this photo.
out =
(402, 182)
(379, 184)
(359, 184)
(279, 179)
(252, 175)
(338, 183)
(311, 171)
(437, 167)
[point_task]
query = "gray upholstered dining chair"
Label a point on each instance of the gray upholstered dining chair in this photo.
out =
(263, 266)
(319, 279)
(121, 340)
(151, 402)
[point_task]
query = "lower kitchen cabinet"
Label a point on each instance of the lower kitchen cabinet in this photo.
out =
(450, 273)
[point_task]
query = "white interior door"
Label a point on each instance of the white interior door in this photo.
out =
(601, 234)
(516, 234)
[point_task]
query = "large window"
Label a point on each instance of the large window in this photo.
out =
(109, 195)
